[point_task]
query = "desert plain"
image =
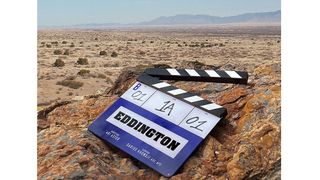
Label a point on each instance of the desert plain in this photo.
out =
(82, 72)
(107, 52)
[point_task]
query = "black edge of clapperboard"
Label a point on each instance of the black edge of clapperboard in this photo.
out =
(163, 74)
(149, 80)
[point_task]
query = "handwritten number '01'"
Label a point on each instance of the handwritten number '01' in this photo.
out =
(138, 95)
(193, 120)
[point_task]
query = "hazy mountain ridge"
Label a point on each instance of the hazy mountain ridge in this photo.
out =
(188, 19)
(184, 19)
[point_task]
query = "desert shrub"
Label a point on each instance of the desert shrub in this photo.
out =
(161, 66)
(143, 42)
(83, 72)
(71, 78)
(71, 45)
(70, 93)
(278, 41)
(141, 52)
(82, 61)
(81, 42)
(57, 52)
(66, 52)
(70, 83)
(114, 54)
(64, 42)
(43, 43)
(48, 45)
(96, 39)
(55, 42)
(102, 53)
(58, 63)
(221, 45)
(151, 42)
(102, 76)
(196, 64)
(179, 45)
(97, 45)
(115, 64)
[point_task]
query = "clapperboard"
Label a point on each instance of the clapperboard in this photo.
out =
(159, 124)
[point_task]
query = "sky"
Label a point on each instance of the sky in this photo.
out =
(72, 12)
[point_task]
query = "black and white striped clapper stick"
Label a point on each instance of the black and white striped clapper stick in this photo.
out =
(220, 76)
(183, 95)
(159, 124)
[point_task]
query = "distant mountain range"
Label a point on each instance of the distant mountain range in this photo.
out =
(264, 17)
(187, 19)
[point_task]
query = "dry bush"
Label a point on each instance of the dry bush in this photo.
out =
(70, 83)
(102, 53)
(83, 72)
(57, 52)
(66, 52)
(71, 45)
(48, 45)
(114, 54)
(71, 78)
(82, 61)
(161, 66)
(102, 76)
(140, 52)
(58, 63)
(64, 42)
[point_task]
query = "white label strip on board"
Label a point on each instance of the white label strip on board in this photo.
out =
(147, 131)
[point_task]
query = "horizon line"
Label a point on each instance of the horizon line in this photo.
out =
(137, 23)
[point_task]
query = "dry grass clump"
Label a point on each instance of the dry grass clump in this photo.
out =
(57, 52)
(114, 54)
(66, 52)
(64, 42)
(58, 63)
(102, 53)
(48, 45)
(83, 72)
(102, 76)
(83, 61)
(70, 83)
(71, 45)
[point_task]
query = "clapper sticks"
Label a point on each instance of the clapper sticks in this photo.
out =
(159, 124)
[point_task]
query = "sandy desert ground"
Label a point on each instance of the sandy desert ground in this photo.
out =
(246, 144)
(109, 51)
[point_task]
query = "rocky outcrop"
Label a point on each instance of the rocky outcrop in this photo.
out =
(246, 145)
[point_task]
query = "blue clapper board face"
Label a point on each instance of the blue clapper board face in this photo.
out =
(158, 129)
(159, 124)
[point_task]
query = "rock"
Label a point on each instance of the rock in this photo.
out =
(78, 98)
(245, 145)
